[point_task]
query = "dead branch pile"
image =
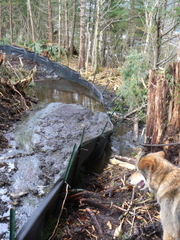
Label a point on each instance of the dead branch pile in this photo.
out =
(13, 100)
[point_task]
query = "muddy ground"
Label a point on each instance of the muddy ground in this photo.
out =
(106, 206)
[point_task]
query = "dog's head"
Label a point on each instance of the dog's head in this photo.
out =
(138, 180)
(146, 166)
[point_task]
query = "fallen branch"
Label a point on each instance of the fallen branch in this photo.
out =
(121, 118)
(23, 101)
(123, 158)
(122, 164)
(110, 191)
(62, 207)
(95, 204)
(95, 223)
(85, 194)
(22, 84)
(160, 144)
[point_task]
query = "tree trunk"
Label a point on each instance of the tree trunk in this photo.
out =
(88, 48)
(178, 50)
(66, 26)
(10, 22)
(50, 22)
(97, 39)
(1, 21)
(59, 27)
(163, 113)
(157, 43)
(31, 19)
(92, 17)
(73, 28)
(81, 61)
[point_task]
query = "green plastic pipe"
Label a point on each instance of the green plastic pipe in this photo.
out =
(12, 224)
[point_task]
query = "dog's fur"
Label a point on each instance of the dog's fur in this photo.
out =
(163, 180)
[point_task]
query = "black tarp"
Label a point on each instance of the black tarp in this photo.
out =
(85, 155)
(52, 67)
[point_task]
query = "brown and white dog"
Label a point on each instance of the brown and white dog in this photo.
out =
(163, 180)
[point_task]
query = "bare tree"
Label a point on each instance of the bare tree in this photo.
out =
(0, 21)
(59, 26)
(81, 61)
(10, 22)
(66, 26)
(31, 19)
(160, 23)
(178, 50)
(50, 21)
(73, 27)
(97, 38)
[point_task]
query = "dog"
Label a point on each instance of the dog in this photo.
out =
(163, 180)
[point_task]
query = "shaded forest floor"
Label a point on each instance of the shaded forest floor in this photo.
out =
(106, 207)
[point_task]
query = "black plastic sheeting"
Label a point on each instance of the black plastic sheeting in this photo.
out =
(86, 155)
(51, 66)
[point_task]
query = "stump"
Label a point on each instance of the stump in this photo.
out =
(163, 112)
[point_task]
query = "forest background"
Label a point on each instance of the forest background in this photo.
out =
(132, 36)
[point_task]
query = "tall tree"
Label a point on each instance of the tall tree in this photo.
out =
(59, 26)
(178, 50)
(50, 22)
(73, 27)
(31, 19)
(81, 61)
(97, 38)
(10, 21)
(0, 20)
(66, 25)
(162, 19)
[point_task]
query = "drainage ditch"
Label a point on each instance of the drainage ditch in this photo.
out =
(51, 146)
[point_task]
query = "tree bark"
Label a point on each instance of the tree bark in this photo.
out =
(97, 38)
(1, 21)
(92, 17)
(50, 22)
(71, 48)
(66, 26)
(59, 27)
(10, 22)
(81, 61)
(178, 50)
(31, 19)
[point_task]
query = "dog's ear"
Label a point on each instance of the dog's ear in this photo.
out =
(161, 154)
(147, 163)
